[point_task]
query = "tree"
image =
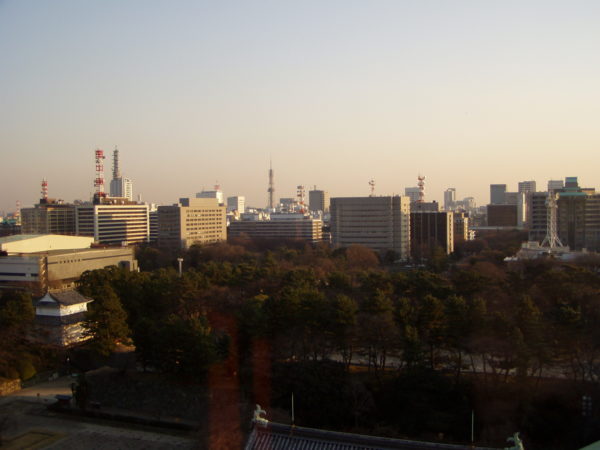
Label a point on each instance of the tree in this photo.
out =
(106, 321)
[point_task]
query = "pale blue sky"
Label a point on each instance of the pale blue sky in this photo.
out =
(467, 93)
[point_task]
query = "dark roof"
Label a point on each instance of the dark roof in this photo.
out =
(274, 436)
(67, 297)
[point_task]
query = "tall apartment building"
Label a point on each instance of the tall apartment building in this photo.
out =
(380, 223)
(318, 200)
(280, 226)
(497, 194)
(192, 221)
(237, 203)
(449, 199)
(50, 216)
(429, 230)
(114, 221)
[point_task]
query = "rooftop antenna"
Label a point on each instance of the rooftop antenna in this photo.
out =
(99, 180)
(271, 189)
(421, 185)
(44, 189)
(372, 185)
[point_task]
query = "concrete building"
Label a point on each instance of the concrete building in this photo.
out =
(153, 220)
(59, 318)
(318, 200)
(412, 193)
(192, 221)
(237, 203)
(526, 187)
(502, 216)
(380, 223)
(40, 270)
(280, 226)
(554, 185)
(578, 216)
(425, 206)
(461, 227)
(122, 188)
(50, 216)
(216, 193)
(114, 221)
(449, 199)
(497, 194)
(31, 243)
(429, 230)
(537, 219)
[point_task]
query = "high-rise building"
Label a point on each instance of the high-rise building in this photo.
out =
(413, 193)
(497, 194)
(429, 230)
(114, 221)
(526, 187)
(380, 223)
(449, 199)
(578, 216)
(554, 185)
(237, 203)
(318, 200)
(192, 221)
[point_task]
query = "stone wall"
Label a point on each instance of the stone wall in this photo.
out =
(9, 386)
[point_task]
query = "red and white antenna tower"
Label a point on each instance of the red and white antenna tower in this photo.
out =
(44, 189)
(421, 185)
(18, 212)
(99, 180)
(372, 185)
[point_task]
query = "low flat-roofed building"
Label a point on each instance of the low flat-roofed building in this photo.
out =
(30, 243)
(59, 269)
(59, 318)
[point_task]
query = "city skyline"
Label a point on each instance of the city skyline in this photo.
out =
(466, 93)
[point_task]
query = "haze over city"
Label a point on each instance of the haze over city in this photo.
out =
(466, 93)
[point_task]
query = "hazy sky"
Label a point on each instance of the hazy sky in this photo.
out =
(467, 93)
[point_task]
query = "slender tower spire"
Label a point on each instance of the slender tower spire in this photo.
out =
(271, 189)
(116, 170)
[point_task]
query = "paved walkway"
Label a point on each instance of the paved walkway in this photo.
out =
(29, 425)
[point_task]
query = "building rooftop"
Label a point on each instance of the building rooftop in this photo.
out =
(65, 298)
(275, 436)
(19, 237)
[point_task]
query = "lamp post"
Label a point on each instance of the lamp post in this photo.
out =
(180, 261)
